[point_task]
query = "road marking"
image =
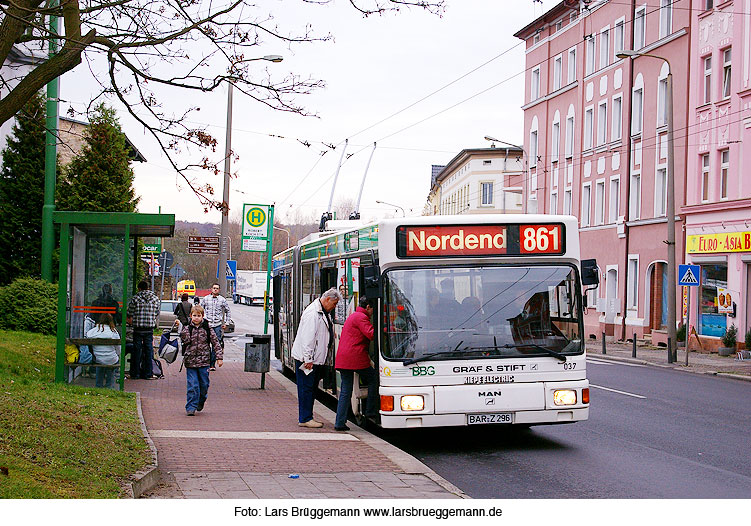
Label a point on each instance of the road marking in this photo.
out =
(617, 391)
(608, 362)
(249, 435)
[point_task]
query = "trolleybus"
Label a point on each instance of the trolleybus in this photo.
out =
(478, 319)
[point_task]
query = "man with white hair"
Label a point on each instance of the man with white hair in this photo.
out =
(313, 342)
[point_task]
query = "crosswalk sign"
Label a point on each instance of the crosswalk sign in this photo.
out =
(688, 275)
(230, 269)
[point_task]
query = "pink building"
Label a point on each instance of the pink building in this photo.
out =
(717, 209)
(596, 137)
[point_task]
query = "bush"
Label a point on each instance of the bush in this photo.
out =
(680, 334)
(730, 337)
(748, 340)
(29, 304)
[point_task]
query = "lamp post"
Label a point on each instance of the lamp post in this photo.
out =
(526, 164)
(283, 230)
(391, 204)
(670, 209)
(225, 194)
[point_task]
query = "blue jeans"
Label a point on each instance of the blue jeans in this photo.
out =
(219, 336)
(345, 394)
(143, 354)
(306, 391)
(198, 386)
(104, 377)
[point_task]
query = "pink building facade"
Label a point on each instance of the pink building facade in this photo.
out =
(717, 209)
(596, 137)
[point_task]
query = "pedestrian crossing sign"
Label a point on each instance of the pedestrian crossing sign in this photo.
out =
(688, 275)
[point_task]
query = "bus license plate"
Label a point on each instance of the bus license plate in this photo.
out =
(489, 418)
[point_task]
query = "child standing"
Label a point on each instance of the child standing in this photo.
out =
(198, 339)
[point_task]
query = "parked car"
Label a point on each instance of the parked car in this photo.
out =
(167, 314)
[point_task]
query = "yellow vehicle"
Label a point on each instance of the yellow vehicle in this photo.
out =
(186, 286)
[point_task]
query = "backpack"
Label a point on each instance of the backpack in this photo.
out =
(156, 368)
(206, 327)
(168, 349)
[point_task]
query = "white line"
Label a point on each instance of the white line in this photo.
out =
(598, 362)
(617, 391)
(608, 362)
(247, 435)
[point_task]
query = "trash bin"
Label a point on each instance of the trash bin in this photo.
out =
(258, 354)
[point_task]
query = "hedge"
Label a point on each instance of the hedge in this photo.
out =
(29, 304)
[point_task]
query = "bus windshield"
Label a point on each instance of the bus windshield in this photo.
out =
(481, 312)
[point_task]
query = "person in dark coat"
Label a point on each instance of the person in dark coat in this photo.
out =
(182, 311)
(352, 357)
(198, 339)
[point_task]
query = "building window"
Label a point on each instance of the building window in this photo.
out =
(536, 38)
(708, 4)
(571, 65)
(615, 195)
(617, 117)
(618, 37)
(661, 188)
(724, 168)
(588, 128)
(567, 202)
(636, 107)
(635, 197)
(713, 277)
(600, 202)
(558, 25)
(554, 202)
(662, 102)
(590, 47)
(726, 70)
(705, 178)
(604, 48)
(708, 79)
(569, 137)
(533, 149)
(639, 27)
(602, 123)
(572, 17)
(586, 204)
(632, 295)
(666, 17)
(535, 84)
(557, 72)
(556, 141)
(487, 194)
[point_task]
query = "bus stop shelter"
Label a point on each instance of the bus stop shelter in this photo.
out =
(98, 274)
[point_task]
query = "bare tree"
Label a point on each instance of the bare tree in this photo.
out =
(151, 46)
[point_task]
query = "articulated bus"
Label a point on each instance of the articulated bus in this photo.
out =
(478, 319)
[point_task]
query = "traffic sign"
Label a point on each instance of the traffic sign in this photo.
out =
(255, 227)
(203, 250)
(203, 245)
(688, 275)
(231, 269)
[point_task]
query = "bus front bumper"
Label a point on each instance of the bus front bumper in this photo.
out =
(552, 416)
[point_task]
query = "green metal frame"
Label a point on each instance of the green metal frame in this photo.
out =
(129, 225)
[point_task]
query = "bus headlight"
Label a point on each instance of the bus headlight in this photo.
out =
(564, 397)
(412, 403)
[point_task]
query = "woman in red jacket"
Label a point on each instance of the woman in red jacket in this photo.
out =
(352, 356)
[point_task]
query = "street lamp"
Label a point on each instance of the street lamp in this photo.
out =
(283, 230)
(670, 183)
(526, 164)
(225, 194)
(390, 204)
(229, 238)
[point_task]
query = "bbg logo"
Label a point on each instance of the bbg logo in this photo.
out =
(423, 371)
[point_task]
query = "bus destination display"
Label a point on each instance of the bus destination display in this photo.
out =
(479, 240)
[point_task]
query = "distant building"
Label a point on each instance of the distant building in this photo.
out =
(20, 62)
(478, 181)
(70, 133)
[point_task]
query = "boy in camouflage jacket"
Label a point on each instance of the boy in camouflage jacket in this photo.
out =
(198, 339)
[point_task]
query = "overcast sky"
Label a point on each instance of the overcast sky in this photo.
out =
(373, 68)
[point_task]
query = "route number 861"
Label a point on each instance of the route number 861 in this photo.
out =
(537, 239)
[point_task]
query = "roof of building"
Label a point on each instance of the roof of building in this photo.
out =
(547, 17)
(134, 153)
(465, 154)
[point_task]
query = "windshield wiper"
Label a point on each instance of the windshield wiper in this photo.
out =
(547, 350)
(427, 356)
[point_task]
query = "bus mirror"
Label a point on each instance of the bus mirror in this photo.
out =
(372, 275)
(590, 274)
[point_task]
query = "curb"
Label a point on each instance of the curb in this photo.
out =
(404, 460)
(612, 358)
(146, 479)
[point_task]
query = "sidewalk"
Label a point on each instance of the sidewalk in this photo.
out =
(246, 443)
(701, 363)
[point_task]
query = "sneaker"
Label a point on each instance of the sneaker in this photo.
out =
(200, 406)
(341, 428)
(191, 413)
(212, 368)
(310, 423)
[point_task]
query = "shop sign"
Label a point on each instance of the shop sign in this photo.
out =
(714, 243)
(724, 301)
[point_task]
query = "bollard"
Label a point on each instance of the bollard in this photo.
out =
(670, 351)
(604, 351)
(633, 350)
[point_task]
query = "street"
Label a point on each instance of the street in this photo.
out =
(652, 433)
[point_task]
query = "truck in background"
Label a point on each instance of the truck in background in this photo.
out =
(250, 287)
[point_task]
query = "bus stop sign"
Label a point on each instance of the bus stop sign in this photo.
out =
(688, 275)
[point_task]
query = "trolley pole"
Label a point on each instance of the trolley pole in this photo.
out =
(269, 249)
